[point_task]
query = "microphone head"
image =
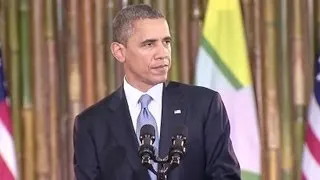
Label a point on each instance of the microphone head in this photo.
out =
(147, 137)
(147, 129)
(178, 148)
(181, 130)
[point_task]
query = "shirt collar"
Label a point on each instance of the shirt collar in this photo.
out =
(133, 94)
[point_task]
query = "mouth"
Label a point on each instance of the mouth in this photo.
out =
(160, 66)
(162, 69)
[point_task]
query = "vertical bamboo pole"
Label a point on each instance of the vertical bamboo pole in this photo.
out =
(135, 1)
(15, 80)
(100, 49)
(195, 34)
(257, 56)
(53, 88)
(299, 59)
(111, 62)
(3, 27)
(4, 35)
(118, 68)
(270, 94)
(63, 108)
(88, 62)
(174, 71)
(310, 19)
(149, 2)
(27, 100)
(183, 38)
(317, 25)
(247, 11)
(40, 90)
(296, 54)
(161, 6)
(74, 88)
(204, 5)
(258, 81)
(285, 94)
(2, 20)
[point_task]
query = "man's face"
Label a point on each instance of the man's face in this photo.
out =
(148, 52)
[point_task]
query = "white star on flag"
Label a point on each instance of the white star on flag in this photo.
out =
(318, 77)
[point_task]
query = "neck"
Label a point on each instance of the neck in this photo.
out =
(143, 87)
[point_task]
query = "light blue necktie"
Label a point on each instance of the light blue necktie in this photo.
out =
(145, 117)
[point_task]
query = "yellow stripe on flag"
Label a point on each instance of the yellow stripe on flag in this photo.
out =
(224, 31)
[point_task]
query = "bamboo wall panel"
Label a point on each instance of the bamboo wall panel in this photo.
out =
(58, 62)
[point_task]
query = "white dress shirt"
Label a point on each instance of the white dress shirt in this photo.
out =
(155, 107)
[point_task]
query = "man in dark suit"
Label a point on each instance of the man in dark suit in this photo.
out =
(105, 135)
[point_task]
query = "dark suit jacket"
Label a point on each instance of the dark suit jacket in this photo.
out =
(106, 147)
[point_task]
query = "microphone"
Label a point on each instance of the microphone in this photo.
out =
(146, 150)
(176, 152)
(178, 149)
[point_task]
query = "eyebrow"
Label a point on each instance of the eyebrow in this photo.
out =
(148, 41)
(154, 40)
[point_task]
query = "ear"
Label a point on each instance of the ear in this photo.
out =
(118, 51)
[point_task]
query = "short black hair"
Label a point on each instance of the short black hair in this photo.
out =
(122, 25)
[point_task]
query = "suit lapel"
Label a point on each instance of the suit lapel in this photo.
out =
(124, 131)
(174, 113)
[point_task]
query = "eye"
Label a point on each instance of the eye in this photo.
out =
(167, 42)
(148, 44)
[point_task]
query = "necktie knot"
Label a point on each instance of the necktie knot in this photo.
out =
(145, 100)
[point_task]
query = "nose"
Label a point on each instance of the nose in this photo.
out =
(163, 51)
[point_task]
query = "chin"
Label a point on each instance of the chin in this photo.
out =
(159, 80)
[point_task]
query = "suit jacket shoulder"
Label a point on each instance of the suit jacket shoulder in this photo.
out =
(99, 109)
(196, 94)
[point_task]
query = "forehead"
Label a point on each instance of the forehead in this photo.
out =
(150, 28)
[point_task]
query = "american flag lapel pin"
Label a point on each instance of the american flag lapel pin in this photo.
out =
(177, 111)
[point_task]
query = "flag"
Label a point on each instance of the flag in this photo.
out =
(311, 150)
(222, 65)
(8, 166)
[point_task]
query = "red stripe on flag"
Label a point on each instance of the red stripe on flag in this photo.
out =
(5, 116)
(5, 174)
(313, 144)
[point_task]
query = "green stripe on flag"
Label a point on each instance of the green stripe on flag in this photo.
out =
(217, 60)
(245, 175)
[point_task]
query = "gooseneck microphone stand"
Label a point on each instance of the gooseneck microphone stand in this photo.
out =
(167, 164)
(166, 167)
(171, 161)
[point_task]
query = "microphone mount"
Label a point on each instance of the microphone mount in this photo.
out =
(172, 160)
